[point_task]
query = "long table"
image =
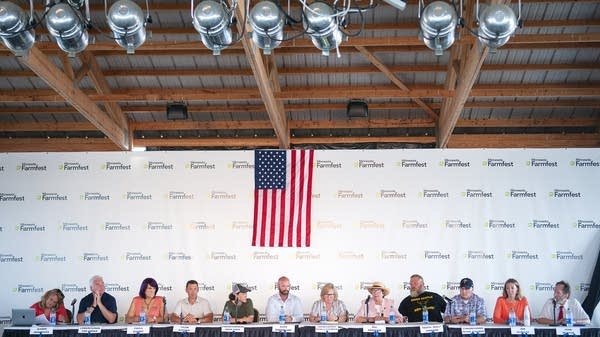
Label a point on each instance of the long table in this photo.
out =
(301, 330)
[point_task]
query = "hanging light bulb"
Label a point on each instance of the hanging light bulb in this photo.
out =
(267, 26)
(13, 28)
(67, 26)
(497, 23)
(438, 22)
(320, 23)
(126, 20)
(211, 19)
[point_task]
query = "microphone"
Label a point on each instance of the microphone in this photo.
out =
(554, 313)
(74, 319)
(367, 307)
(449, 300)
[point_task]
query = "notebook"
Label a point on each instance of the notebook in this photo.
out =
(23, 317)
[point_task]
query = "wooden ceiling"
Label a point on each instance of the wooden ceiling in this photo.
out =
(542, 89)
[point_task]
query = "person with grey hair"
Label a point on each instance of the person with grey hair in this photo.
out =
(555, 309)
(101, 305)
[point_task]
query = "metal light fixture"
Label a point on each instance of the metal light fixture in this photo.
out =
(267, 25)
(321, 24)
(212, 20)
(67, 27)
(496, 24)
(438, 22)
(126, 20)
(14, 31)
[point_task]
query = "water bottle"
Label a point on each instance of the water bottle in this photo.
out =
(53, 317)
(425, 315)
(87, 318)
(226, 316)
(392, 318)
(281, 315)
(569, 317)
(512, 318)
(472, 318)
(323, 313)
(143, 317)
(526, 316)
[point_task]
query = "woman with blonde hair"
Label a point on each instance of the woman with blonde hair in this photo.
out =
(52, 300)
(329, 305)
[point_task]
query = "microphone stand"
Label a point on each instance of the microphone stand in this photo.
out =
(554, 313)
(367, 308)
(74, 318)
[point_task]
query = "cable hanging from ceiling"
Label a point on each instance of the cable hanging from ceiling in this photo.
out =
(325, 23)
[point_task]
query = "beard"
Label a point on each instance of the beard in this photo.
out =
(415, 293)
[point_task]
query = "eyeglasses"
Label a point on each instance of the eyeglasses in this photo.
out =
(329, 294)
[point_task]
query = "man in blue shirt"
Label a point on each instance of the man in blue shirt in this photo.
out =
(101, 305)
(458, 310)
(291, 304)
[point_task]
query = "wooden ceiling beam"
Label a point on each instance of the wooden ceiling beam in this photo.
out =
(102, 87)
(396, 81)
(267, 86)
(302, 124)
(142, 109)
(313, 70)
(525, 140)
(169, 47)
(302, 93)
(58, 81)
(57, 145)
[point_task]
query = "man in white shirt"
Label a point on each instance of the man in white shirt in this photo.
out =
(555, 309)
(192, 309)
(291, 304)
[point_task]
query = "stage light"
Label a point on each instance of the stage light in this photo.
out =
(267, 24)
(496, 24)
(212, 20)
(126, 20)
(321, 24)
(67, 27)
(399, 4)
(14, 30)
(438, 22)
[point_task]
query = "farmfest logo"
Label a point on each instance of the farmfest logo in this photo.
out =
(411, 163)
(27, 289)
(476, 193)
(433, 194)
(456, 224)
(564, 193)
(497, 162)
(541, 162)
(30, 167)
(543, 224)
(200, 165)
(413, 224)
(50, 257)
(115, 166)
(584, 162)
(158, 165)
(6, 197)
(178, 256)
(368, 164)
(566, 255)
(73, 166)
(586, 224)
(454, 163)
(240, 164)
(327, 164)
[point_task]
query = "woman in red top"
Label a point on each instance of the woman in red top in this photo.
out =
(511, 299)
(147, 301)
(52, 299)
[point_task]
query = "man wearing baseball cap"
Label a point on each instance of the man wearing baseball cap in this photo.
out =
(461, 305)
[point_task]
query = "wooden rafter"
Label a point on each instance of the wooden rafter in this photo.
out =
(57, 80)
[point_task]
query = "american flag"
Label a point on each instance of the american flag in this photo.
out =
(282, 198)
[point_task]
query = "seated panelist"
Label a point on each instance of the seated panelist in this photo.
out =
(148, 303)
(329, 304)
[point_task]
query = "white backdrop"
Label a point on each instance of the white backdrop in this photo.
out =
(377, 215)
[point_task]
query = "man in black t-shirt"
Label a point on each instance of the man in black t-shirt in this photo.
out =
(419, 299)
(101, 305)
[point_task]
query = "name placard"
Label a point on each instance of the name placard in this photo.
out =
(232, 328)
(284, 328)
(89, 329)
(326, 328)
(567, 330)
(473, 330)
(184, 328)
(138, 329)
(429, 328)
(522, 330)
(374, 328)
(41, 330)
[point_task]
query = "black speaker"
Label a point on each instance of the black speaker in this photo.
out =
(357, 108)
(176, 111)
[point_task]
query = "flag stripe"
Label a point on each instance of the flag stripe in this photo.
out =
(282, 196)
